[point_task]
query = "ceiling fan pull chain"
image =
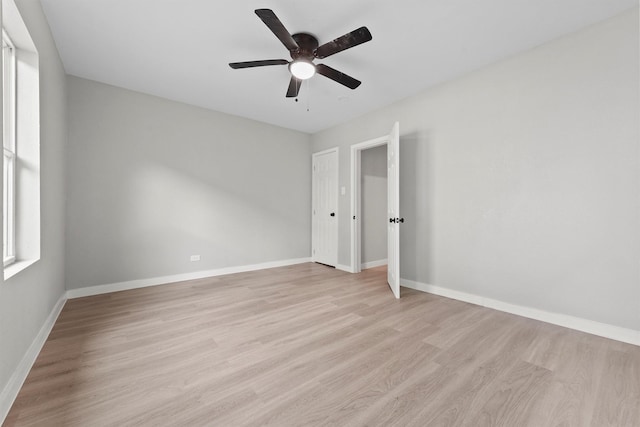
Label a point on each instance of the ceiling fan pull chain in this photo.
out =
(308, 95)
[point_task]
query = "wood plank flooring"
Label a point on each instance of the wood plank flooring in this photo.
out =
(310, 345)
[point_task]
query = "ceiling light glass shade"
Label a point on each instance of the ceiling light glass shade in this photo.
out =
(302, 69)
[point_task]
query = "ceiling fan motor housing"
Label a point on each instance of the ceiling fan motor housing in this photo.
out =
(307, 46)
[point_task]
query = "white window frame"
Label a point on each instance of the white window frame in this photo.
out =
(21, 144)
(9, 148)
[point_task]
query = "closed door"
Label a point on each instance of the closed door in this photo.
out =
(325, 207)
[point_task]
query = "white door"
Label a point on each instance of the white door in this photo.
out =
(393, 210)
(325, 208)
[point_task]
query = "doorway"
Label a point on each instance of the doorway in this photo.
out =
(392, 141)
(373, 227)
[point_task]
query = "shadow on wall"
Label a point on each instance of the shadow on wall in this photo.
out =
(417, 206)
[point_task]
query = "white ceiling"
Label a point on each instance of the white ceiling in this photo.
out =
(180, 49)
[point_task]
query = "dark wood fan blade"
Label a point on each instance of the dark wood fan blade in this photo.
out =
(354, 38)
(271, 20)
(249, 64)
(337, 76)
(294, 87)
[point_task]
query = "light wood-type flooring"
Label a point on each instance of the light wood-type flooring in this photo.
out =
(307, 345)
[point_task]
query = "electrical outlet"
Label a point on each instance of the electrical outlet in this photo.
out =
(195, 258)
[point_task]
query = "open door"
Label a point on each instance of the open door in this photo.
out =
(393, 210)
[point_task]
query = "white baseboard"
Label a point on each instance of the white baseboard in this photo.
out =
(11, 390)
(343, 267)
(584, 325)
(154, 281)
(372, 264)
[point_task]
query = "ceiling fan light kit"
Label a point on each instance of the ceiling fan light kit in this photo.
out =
(304, 48)
(302, 69)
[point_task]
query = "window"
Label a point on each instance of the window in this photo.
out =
(9, 145)
(20, 143)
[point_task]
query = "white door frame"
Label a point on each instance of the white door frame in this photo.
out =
(337, 216)
(356, 198)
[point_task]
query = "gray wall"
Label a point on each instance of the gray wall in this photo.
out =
(373, 183)
(151, 182)
(520, 181)
(26, 300)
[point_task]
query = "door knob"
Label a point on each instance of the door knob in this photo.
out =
(399, 219)
(332, 214)
(392, 220)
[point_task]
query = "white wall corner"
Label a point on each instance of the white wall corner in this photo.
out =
(617, 333)
(11, 390)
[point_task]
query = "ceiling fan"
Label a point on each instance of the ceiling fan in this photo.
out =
(304, 48)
